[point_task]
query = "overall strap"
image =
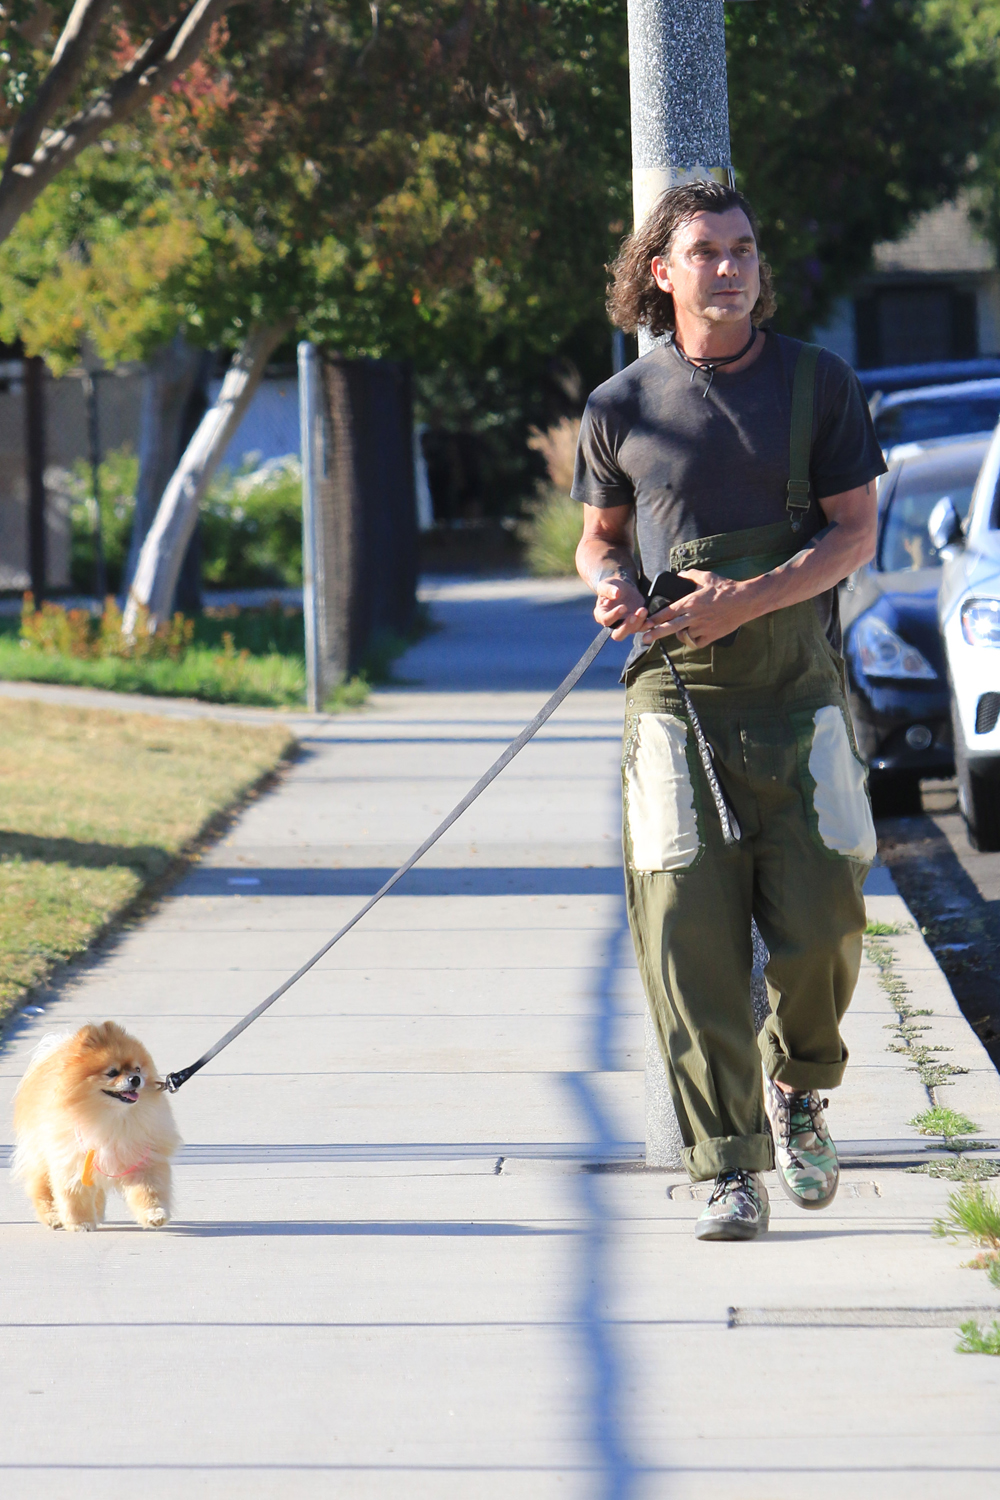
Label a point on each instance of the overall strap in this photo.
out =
(800, 442)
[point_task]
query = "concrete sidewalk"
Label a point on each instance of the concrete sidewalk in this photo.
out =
(416, 1253)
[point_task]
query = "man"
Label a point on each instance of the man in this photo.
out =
(686, 457)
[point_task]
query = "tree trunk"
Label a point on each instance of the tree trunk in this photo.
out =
(174, 370)
(163, 550)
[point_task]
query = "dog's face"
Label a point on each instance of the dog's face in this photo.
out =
(106, 1069)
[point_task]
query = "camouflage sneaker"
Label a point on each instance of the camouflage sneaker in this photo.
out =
(737, 1210)
(804, 1153)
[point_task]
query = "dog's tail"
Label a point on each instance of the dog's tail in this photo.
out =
(48, 1044)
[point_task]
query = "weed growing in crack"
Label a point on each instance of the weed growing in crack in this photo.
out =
(972, 1213)
(944, 1121)
(976, 1340)
(961, 1169)
(924, 1060)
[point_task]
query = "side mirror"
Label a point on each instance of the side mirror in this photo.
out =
(944, 526)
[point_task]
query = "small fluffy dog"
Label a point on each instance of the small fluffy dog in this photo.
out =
(90, 1114)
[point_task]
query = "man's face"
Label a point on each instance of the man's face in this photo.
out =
(713, 271)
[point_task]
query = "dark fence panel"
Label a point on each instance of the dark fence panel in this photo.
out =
(366, 510)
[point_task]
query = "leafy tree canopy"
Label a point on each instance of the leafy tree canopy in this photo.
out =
(419, 186)
(446, 182)
(847, 119)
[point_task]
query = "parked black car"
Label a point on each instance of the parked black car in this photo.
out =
(936, 414)
(895, 662)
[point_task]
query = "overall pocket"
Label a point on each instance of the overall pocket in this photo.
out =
(834, 783)
(661, 816)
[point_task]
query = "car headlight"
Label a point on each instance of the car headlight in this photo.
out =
(883, 654)
(981, 622)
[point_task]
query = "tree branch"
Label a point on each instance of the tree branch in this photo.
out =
(68, 61)
(154, 68)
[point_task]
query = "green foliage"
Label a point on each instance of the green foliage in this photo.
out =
(251, 527)
(943, 1121)
(228, 655)
(885, 929)
(449, 190)
(118, 476)
(973, 1212)
(251, 524)
(959, 1169)
(846, 120)
(218, 677)
(977, 1340)
(551, 531)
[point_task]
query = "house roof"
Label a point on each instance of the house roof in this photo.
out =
(941, 240)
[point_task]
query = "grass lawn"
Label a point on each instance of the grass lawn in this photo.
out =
(97, 806)
(263, 662)
(249, 657)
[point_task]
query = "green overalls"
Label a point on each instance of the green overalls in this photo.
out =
(774, 710)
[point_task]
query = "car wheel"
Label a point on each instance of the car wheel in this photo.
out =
(895, 794)
(978, 797)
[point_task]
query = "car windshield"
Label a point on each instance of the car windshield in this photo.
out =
(905, 543)
(914, 421)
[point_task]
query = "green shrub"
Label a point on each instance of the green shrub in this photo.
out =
(251, 527)
(75, 632)
(251, 523)
(550, 533)
(118, 476)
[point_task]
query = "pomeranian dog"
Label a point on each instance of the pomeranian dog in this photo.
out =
(90, 1114)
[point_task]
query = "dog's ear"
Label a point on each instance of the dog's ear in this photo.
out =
(107, 1034)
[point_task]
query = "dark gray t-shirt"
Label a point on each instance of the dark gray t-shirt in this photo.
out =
(696, 463)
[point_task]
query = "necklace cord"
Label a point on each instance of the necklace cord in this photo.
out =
(708, 363)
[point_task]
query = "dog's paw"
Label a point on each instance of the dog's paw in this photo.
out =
(86, 1227)
(154, 1218)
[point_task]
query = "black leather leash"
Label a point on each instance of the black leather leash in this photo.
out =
(666, 589)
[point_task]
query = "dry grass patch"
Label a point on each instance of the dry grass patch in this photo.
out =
(96, 806)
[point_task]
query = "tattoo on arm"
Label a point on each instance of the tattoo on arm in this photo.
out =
(621, 566)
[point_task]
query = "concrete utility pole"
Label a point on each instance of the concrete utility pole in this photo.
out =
(680, 133)
(680, 101)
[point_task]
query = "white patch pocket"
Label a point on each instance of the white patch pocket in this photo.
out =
(659, 797)
(843, 814)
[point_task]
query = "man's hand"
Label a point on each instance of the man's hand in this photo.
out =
(717, 607)
(620, 602)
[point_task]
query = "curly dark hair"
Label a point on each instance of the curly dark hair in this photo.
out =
(634, 299)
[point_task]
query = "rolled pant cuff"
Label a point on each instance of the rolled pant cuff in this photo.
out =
(728, 1153)
(800, 1075)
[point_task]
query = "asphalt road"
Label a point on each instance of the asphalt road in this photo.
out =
(954, 892)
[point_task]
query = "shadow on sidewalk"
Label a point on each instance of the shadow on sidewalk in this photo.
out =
(306, 1227)
(491, 880)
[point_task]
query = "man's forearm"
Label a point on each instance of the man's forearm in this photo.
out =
(598, 560)
(828, 561)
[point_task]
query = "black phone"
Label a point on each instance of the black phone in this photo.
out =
(667, 588)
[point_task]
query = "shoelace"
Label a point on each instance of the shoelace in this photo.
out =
(727, 1180)
(801, 1113)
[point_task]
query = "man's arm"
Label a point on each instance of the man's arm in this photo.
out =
(720, 605)
(605, 560)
